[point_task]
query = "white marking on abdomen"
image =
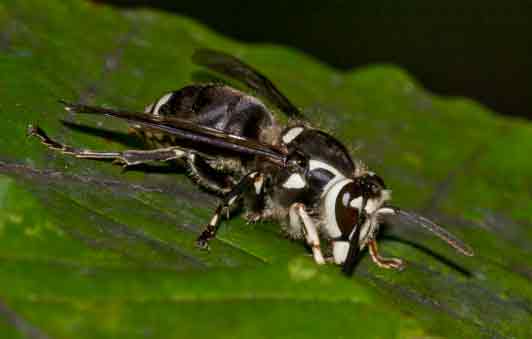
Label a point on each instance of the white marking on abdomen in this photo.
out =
(291, 134)
(149, 108)
(161, 102)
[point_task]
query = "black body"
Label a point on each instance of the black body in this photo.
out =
(233, 145)
(218, 107)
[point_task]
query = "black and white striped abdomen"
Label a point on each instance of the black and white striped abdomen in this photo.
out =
(216, 106)
(154, 107)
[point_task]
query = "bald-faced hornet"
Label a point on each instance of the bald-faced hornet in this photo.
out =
(232, 145)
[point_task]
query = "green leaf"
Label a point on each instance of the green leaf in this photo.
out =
(88, 251)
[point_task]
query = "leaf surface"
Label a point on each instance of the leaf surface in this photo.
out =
(90, 251)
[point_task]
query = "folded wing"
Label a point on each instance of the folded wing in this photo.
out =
(192, 132)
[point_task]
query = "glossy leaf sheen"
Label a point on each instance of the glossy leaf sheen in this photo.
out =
(87, 251)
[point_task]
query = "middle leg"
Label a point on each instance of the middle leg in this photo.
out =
(252, 181)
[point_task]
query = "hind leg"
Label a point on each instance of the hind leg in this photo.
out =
(199, 171)
(251, 182)
(125, 158)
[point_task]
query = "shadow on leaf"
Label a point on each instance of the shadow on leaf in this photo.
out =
(446, 261)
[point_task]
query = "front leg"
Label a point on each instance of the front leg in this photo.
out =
(297, 215)
(252, 181)
(126, 158)
(395, 263)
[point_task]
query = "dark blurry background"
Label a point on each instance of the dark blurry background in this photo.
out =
(478, 49)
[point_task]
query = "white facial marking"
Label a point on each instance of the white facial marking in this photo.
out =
(330, 207)
(345, 199)
(373, 204)
(356, 203)
(291, 134)
(372, 223)
(161, 102)
(295, 181)
(149, 108)
(330, 184)
(340, 250)
(363, 231)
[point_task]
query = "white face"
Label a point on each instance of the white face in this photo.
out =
(373, 208)
(342, 210)
(332, 226)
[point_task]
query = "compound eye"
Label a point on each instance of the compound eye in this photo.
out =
(379, 181)
(373, 185)
(346, 214)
